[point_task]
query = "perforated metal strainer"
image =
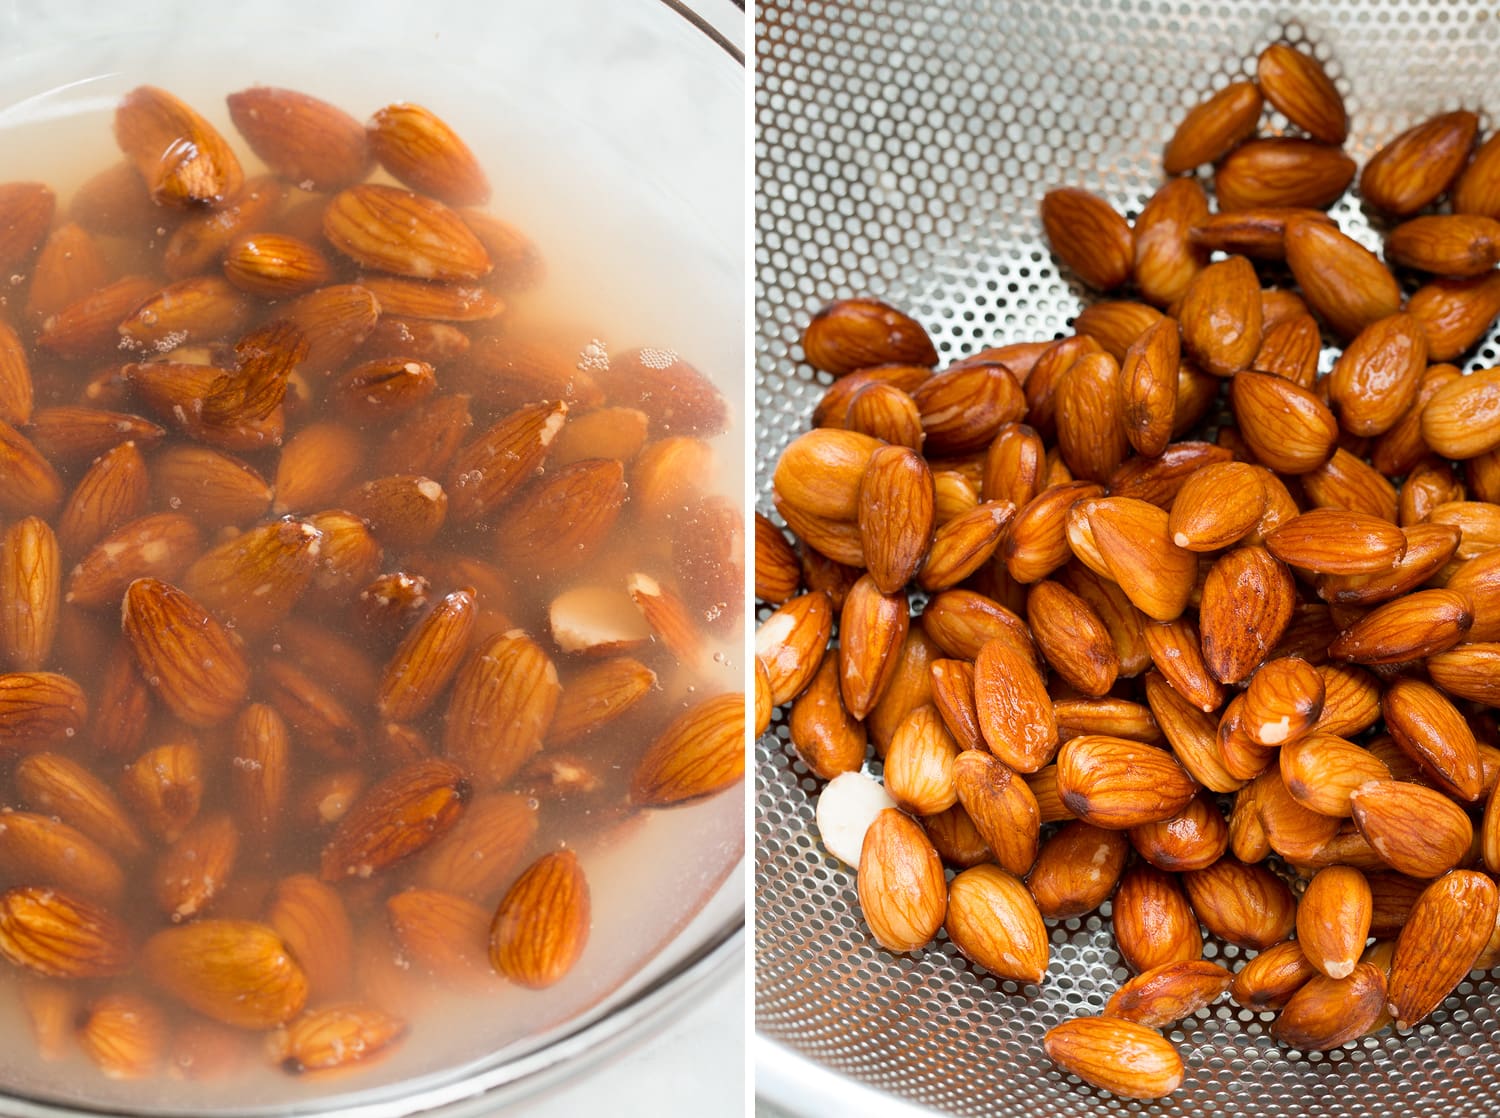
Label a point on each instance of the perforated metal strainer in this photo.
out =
(902, 148)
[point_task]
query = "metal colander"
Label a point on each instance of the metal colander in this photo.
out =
(901, 151)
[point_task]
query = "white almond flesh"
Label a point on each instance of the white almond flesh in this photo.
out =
(847, 807)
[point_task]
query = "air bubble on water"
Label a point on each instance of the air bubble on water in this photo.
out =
(148, 318)
(718, 657)
(17, 279)
(594, 357)
(69, 732)
(307, 185)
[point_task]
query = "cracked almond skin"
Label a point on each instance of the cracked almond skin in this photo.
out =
(51, 933)
(183, 159)
(543, 922)
(700, 752)
(403, 813)
(237, 972)
(1121, 1057)
(187, 658)
(421, 150)
(1450, 924)
(853, 334)
(393, 230)
(302, 139)
(335, 1036)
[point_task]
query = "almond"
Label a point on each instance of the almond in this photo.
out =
(669, 476)
(827, 738)
(1419, 164)
(518, 263)
(676, 397)
(319, 718)
(196, 867)
(895, 516)
(1335, 541)
(1282, 172)
(1076, 869)
(856, 334)
(443, 934)
(275, 265)
(306, 141)
(397, 231)
(1416, 830)
(699, 753)
(1328, 1012)
(68, 791)
(1321, 771)
(430, 301)
(253, 580)
(1163, 995)
(41, 850)
(124, 1034)
(1036, 543)
(1217, 506)
(1220, 316)
(1460, 419)
(1213, 127)
(1148, 387)
(1283, 701)
(1088, 236)
(30, 589)
(1431, 731)
(215, 489)
(1165, 256)
(561, 521)
(1259, 233)
(1450, 924)
(791, 641)
(1290, 350)
(543, 922)
(236, 971)
(335, 1036)
(48, 932)
(261, 767)
(26, 210)
(398, 816)
(1002, 807)
(1344, 282)
(165, 787)
(186, 657)
(1117, 783)
(75, 435)
(1268, 981)
(1246, 905)
(501, 705)
(183, 159)
(1014, 710)
(159, 545)
(1072, 637)
(1406, 629)
(1156, 575)
(902, 892)
(1120, 1057)
(427, 659)
(993, 921)
(1456, 244)
(872, 626)
(420, 149)
(1301, 89)
(27, 480)
(39, 707)
(1455, 313)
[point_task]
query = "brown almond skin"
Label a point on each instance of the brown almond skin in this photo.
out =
(1418, 165)
(1336, 541)
(1408, 628)
(1290, 349)
(827, 738)
(1072, 637)
(542, 925)
(1282, 172)
(185, 656)
(501, 705)
(1417, 830)
(1469, 671)
(853, 334)
(1089, 236)
(1001, 805)
(1153, 922)
(1132, 536)
(1015, 712)
(416, 146)
(992, 919)
(1247, 604)
(1121, 1057)
(1217, 506)
(427, 659)
(235, 971)
(872, 626)
(902, 891)
(1076, 869)
(26, 210)
(778, 574)
(1116, 783)
(1347, 482)
(301, 138)
(1455, 313)
(1221, 317)
(1460, 419)
(1283, 701)
(1333, 919)
(1376, 378)
(1166, 257)
(963, 545)
(1192, 734)
(1341, 280)
(49, 932)
(1450, 924)
(1287, 427)
(791, 643)
(963, 407)
(335, 1036)
(699, 753)
(1168, 993)
(1247, 905)
(1320, 772)
(401, 814)
(919, 764)
(1213, 127)
(1269, 981)
(1295, 83)
(885, 412)
(1195, 837)
(184, 161)
(1258, 233)
(1148, 387)
(1329, 1012)
(1432, 731)
(1456, 245)
(895, 514)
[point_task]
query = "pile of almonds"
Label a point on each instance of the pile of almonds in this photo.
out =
(1190, 656)
(342, 602)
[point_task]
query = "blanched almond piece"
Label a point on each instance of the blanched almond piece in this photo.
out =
(304, 140)
(311, 919)
(501, 705)
(699, 753)
(335, 1036)
(1121, 1057)
(235, 971)
(543, 922)
(407, 810)
(183, 159)
(397, 231)
(420, 149)
(49, 932)
(596, 620)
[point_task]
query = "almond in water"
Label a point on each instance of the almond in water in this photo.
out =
(281, 482)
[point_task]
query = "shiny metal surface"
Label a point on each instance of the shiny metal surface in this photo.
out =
(902, 148)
